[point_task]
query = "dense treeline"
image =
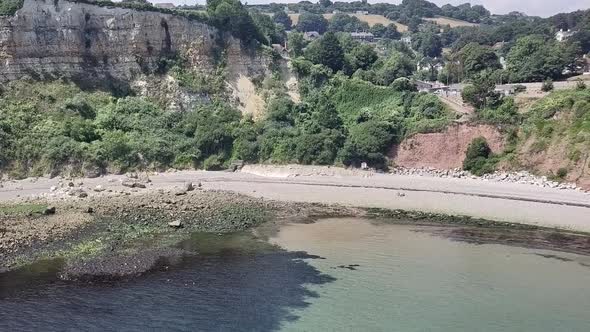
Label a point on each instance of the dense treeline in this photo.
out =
(354, 106)
(56, 127)
(403, 12)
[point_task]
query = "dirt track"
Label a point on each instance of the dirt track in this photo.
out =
(494, 201)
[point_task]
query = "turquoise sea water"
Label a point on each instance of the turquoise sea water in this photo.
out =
(334, 275)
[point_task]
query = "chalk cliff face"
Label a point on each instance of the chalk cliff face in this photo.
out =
(49, 39)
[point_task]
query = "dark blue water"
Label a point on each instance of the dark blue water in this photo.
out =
(223, 291)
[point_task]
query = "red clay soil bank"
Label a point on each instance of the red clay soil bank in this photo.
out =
(445, 150)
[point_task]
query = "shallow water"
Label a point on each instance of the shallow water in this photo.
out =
(335, 275)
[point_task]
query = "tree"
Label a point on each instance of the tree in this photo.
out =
(296, 43)
(414, 24)
(403, 84)
(346, 23)
(391, 32)
(583, 39)
(267, 27)
(326, 51)
(312, 22)
(362, 56)
(476, 58)
(429, 44)
(534, 58)
(282, 18)
(378, 30)
(367, 142)
(478, 157)
(232, 16)
(397, 65)
(481, 93)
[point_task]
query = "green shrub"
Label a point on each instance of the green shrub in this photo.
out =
(478, 157)
(539, 146)
(9, 7)
(367, 142)
(213, 163)
(561, 173)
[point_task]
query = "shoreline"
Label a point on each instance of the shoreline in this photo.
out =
(478, 198)
(118, 226)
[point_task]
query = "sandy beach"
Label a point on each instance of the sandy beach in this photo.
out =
(510, 202)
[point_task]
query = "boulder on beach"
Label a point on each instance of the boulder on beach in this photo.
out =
(133, 184)
(49, 210)
(175, 223)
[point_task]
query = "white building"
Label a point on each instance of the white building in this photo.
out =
(166, 5)
(363, 36)
(362, 12)
(563, 35)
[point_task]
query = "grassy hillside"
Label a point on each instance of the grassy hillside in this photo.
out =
(370, 19)
(412, 112)
(555, 136)
(454, 23)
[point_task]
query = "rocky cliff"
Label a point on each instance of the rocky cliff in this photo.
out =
(49, 39)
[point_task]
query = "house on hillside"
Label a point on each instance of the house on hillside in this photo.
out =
(363, 36)
(311, 35)
(407, 40)
(166, 5)
(362, 12)
(433, 87)
(506, 89)
(563, 35)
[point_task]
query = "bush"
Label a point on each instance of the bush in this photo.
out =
(580, 85)
(547, 86)
(213, 163)
(9, 7)
(403, 84)
(561, 173)
(478, 148)
(506, 113)
(367, 142)
(478, 157)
